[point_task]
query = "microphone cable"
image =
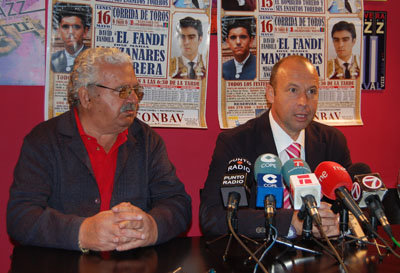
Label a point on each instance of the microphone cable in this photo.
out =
(244, 246)
(275, 236)
(395, 242)
(386, 244)
(323, 234)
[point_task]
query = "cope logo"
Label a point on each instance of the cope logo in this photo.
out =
(270, 179)
(372, 182)
(268, 158)
(356, 191)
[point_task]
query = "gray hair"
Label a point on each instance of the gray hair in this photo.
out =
(86, 68)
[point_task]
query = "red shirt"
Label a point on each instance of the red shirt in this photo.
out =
(103, 164)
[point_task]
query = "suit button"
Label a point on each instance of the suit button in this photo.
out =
(97, 200)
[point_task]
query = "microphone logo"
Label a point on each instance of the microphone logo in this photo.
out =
(270, 179)
(356, 191)
(372, 182)
(298, 162)
(268, 158)
(304, 179)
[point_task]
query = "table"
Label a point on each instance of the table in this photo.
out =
(194, 255)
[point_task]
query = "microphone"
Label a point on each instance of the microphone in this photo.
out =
(267, 173)
(233, 202)
(358, 168)
(335, 184)
(235, 181)
(366, 184)
(305, 192)
(298, 177)
(368, 190)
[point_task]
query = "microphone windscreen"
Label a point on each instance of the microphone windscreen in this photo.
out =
(267, 163)
(358, 168)
(294, 166)
(236, 179)
(332, 175)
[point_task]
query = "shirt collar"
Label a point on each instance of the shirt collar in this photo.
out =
(71, 57)
(82, 132)
(186, 60)
(349, 61)
(281, 138)
(241, 63)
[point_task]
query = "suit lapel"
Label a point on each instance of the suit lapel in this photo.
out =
(266, 143)
(69, 132)
(315, 150)
(124, 152)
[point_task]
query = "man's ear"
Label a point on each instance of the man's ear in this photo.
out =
(84, 98)
(269, 93)
(85, 32)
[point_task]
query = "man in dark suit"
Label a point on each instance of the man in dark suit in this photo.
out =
(243, 66)
(293, 92)
(73, 23)
(96, 177)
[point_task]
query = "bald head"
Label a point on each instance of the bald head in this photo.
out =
(292, 59)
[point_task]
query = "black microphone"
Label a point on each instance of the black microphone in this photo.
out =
(357, 169)
(233, 203)
(312, 207)
(369, 190)
(236, 180)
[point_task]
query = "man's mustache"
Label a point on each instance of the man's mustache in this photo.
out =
(128, 107)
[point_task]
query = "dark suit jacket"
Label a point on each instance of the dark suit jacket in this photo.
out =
(248, 72)
(322, 143)
(233, 5)
(54, 188)
(59, 61)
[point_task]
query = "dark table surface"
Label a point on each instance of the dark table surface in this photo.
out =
(195, 255)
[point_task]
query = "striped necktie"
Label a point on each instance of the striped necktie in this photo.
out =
(293, 151)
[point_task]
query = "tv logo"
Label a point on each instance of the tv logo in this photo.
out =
(298, 162)
(304, 179)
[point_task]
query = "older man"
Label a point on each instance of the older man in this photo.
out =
(96, 177)
(293, 92)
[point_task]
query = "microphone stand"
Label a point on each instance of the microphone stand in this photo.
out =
(231, 215)
(284, 241)
(307, 223)
(338, 207)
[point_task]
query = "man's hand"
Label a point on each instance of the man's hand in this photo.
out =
(100, 232)
(138, 228)
(121, 228)
(330, 222)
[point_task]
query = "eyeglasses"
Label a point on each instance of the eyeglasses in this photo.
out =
(125, 91)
